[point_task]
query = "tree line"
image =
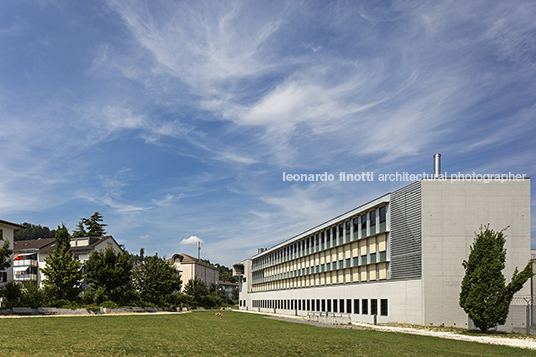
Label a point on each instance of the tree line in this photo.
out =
(108, 278)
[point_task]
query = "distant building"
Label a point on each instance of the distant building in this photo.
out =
(30, 255)
(397, 258)
(227, 287)
(190, 268)
(7, 230)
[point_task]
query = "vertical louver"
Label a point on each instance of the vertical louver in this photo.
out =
(406, 257)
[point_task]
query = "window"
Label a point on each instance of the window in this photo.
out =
(364, 221)
(341, 305)
(308, 305)
(348, 225)
(372, 218)
(356, 306)
(335, 305)
(323, 305)
(329, 305)
(312, 305)
(356, 226)
(318, 305)
(383, 214)
(1, 234)
(383, 307)
(374, 306)
(364, 306)
(333, 235)
(348, 306)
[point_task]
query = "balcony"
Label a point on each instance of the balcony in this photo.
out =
(25, 263)
(25, 277)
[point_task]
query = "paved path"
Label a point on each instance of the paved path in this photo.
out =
(523, 342)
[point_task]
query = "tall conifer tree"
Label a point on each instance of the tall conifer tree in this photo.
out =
(63, 274)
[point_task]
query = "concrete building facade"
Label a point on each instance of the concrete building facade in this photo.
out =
(397, 258)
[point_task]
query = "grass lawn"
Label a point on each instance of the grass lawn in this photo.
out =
(203, 334)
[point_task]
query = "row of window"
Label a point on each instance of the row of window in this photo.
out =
(362, 274)
(349, 306)
(367, 251)
(336, 235)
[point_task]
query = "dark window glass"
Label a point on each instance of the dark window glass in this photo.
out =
(329, 305)
(383, 214)
(348, 306)
(334, 234)
(348, 224)
(323, 305)
(356, 224)
(356, 306)
(318, 305)
(364, 221)
(374, 307)
(312, 305)
(327, 234)
(372, 218)
(335, 305)
(364, 306)
(383, 307)
(341, 305)
(308, 305)
(322, 238)
(341, 230)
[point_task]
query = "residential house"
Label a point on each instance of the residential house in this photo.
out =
(7, 230)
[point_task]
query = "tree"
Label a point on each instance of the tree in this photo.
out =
(109, 273)
(196, 288)
(63, 274)
(235, 294)
(90, 227)
(33, 231)
(157, 280)
(80, 231)
(5, 254)
(484, 295)
(95, 228)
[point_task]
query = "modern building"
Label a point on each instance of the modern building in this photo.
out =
(190, 268)
(7, 230)
(397, 258)
(30, 255)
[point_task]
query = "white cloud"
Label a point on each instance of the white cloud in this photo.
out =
(191, 240)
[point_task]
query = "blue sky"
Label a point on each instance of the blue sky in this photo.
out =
(178, 118)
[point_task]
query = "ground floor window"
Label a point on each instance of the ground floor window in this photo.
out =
(373, 306)
(364, 306)
(383, 307)
(356, 306)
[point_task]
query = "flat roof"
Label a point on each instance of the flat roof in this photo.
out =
(364, 207)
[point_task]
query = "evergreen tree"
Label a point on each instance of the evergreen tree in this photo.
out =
(80, 231)
(95, 228)
(63, 274)
(157, 280)
(484, 295)
(110, 273)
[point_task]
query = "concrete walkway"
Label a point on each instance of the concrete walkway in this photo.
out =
(514, 341)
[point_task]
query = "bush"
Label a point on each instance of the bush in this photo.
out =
(109, 304)
(12, 292)
(32, 296)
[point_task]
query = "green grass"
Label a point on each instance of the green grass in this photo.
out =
(203, 334)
